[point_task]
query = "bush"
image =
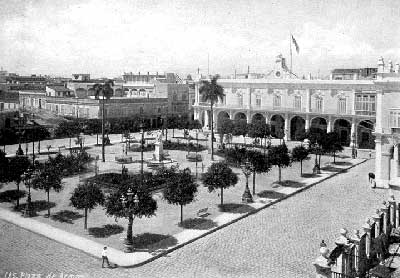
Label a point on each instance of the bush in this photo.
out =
(72, 163)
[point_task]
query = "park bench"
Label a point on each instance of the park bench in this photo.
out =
(61, 147)
(203, 212)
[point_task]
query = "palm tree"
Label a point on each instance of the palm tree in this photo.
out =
(106, 91)
(211, 91)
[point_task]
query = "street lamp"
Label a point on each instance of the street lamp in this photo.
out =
(247, 169)
(197, 148)
(316, 169)
(130, 204)
(27, 177)
(20, 132)
(353, 146)
(141, 126)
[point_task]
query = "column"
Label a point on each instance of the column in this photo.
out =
(353, 132)
(379, 118)
(392, 216)
(205, 119)
(248, 98)
(196, 94)
(248, 116)
(352, 102)
(385, 211)
(308, 101)
(329, 127)
(377, 217)
(367, 229)
(287, 127)
(307, 126)
(394, 163)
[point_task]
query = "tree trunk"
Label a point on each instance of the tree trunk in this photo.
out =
(280, 173)
(181, 214)
(173, 132)
(39, 147)
(97, 138)
(334, 157)
(222, 196)
(129, 231)
(102, 133)
(18, 195)
(301, 168)
(254, 182)
(85, 227)
(48, 203)
(212, 131)
(319, 161)
(69, 142)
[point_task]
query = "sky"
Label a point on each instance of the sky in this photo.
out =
(107, 38)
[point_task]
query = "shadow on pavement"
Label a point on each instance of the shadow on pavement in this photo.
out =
(11, 195)
(310, 175)
(152, 242)
(66, 216)
(270, 194)
(342, 163)
(333, 169)
(106, 230)
(197, 224)
(235, 208)
(291, 183)
(40, 205)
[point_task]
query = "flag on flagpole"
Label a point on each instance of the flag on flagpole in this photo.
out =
(295, 45)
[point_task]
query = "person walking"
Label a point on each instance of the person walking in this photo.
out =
(104, 256)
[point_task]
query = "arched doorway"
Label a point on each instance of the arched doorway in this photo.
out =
(258, 117)
(297, 128)
(343, 128)
(240, 116)
(277, 126)
(365, 138)
(319, 123)
(221, 116)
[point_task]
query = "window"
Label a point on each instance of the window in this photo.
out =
(258, 100)
(365, 104)
(341, 106)
(318, 104)
(277, 101)
(297, 103)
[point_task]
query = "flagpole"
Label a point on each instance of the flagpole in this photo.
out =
(290, 42)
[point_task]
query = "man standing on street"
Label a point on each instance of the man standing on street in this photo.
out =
(104, 256)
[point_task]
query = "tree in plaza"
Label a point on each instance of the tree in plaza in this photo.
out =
(4, 167)
(259, 129)
(279, 156)
(225, 127)
(211, 92)
(105, 91)
(332, 145)
(240, 128)
(300, 153)
(172, 122)
(317, 136)
(68, 129)
(87, 196)
(260, 164)
(219, 176)
(48, 177)
(195, 124)
(17, 166)
(146, 206)
(40, 133)
(181, 190)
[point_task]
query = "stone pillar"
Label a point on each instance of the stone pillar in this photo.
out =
(248, 116)
(329, 127)
(287, 127)
(249, 98)
(206, 120)
(355, 238)
(196, 114)
(307, 125)
(352, 102)
(382, 162)
(377, 217)
(353, 133)
(392, 214)
(266, 119)
(385, 210)
(367, 229)
(378, 125)
(394, 163)
(308, 101)
(196, 94)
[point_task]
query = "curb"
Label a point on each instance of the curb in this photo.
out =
(256, 210)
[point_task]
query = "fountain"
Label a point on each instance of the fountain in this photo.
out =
(159, 155)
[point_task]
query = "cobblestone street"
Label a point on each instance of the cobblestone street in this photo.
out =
(280, 241)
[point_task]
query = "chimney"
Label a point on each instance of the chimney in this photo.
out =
(397, 68)
(381, 65)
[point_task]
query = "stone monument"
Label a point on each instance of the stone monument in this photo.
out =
(158, 150)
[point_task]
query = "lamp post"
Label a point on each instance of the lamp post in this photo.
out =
(141, 126)
(27, 177)
(130, 204)
(316, 169)
(20, 132)
(353, 145)
(197, 149)
(247, 169)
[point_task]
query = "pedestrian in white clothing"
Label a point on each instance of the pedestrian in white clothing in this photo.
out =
(104, 256)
